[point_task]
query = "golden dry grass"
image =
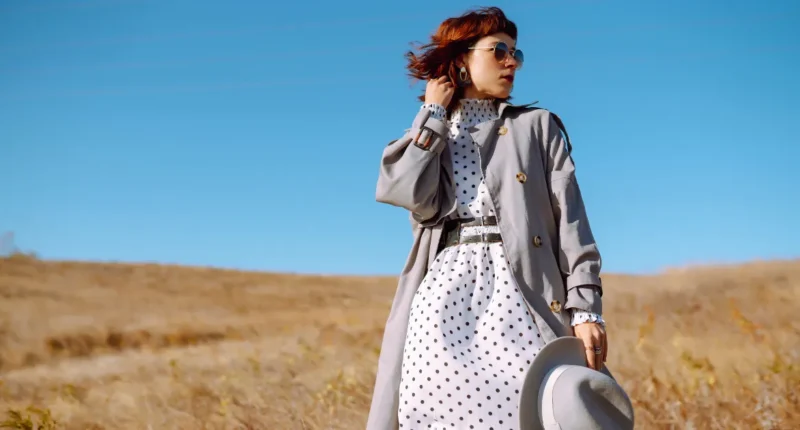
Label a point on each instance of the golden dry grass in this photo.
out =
(117, 346)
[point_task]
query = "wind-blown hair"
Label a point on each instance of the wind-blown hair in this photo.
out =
(451, 39)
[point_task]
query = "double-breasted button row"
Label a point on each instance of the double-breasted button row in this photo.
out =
(555, 305)
(537, 240)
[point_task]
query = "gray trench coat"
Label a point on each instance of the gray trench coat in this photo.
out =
(529, 170)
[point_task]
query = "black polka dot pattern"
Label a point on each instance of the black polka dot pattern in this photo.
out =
(470, 336)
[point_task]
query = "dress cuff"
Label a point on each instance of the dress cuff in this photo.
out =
(580, 317)
(437, 111)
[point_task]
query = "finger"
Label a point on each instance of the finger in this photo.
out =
(589, 347)
(599, 342)
(443, 78)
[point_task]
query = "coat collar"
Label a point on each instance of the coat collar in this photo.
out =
(480, 133)
(503, 105)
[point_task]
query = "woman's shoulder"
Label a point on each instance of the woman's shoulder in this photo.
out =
(541, 121)
(526, 112)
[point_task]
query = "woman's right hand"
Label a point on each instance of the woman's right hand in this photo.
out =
(439, 91)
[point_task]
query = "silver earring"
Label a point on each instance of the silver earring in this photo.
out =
(462, 74)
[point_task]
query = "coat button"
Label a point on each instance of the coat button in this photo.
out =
(555, 306)
(521, 177)
(502, 130)
(537, 241)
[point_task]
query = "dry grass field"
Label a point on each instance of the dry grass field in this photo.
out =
(116, 346)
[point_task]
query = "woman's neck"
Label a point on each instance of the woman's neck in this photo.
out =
(473, 93)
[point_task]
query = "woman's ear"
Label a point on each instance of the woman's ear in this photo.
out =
(461, 61)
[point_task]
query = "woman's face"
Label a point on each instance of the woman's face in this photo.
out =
(491, 77)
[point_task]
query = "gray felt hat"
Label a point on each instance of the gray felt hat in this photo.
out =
(561, 393)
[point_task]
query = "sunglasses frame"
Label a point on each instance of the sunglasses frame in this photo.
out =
(508, 53)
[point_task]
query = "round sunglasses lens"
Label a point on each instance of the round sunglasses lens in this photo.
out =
(519, 56)
(500, 51)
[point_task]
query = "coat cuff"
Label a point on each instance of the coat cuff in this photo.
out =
(584, 278)
(428, 133)
(585, 298)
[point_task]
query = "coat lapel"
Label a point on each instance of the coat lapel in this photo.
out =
(482, 132)
(448, 188)
(484, 135)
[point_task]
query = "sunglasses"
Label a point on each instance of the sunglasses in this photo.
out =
(501, 52)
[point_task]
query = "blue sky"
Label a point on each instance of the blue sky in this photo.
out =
(246, 135)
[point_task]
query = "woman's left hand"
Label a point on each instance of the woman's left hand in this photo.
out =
(593, 336)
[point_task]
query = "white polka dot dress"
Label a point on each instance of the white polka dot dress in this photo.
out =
(470, 336)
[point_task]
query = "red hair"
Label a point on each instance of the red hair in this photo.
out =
(454, 35)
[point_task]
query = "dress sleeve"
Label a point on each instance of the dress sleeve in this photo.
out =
(437, 111)
(580, 317)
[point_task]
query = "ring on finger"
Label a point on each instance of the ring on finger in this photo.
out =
(597, 350)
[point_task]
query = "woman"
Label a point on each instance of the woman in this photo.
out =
(503, 259)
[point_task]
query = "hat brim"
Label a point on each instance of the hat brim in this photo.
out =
(567, 350)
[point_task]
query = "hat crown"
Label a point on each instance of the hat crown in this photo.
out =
(561, 392)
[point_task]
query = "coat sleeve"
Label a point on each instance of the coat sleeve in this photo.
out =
(410, 167)
(579, 258)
